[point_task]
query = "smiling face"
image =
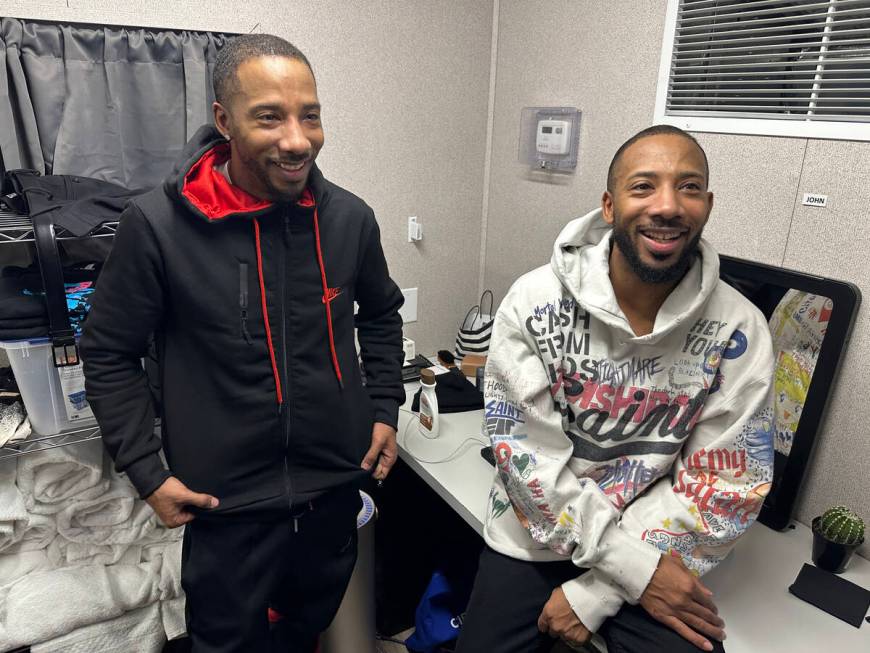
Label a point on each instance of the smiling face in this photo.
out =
(273, 122)
(658, 207)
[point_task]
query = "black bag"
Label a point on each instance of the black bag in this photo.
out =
(455, 393)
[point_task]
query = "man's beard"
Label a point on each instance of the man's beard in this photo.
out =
(273, 193)
(649, 274)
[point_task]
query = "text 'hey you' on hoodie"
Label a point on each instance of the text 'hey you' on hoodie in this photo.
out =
(617, 448)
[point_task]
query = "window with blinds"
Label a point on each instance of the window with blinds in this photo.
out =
(781, 67)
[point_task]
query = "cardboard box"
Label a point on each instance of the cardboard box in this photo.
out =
(470, 364)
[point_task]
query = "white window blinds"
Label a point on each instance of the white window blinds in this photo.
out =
(801, 61)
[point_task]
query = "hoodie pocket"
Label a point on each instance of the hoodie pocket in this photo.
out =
(243, 302)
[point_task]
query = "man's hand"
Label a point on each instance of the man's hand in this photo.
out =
(679, 600)
(383, 443)
(559, 620)
(171, 499)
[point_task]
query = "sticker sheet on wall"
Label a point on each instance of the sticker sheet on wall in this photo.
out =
(798, 326)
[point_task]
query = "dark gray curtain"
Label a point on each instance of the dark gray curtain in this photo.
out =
(113, 103)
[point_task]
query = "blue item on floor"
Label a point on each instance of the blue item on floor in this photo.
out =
(439, 613)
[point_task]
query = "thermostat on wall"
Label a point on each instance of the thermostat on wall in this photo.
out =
(550, 138)
(553, 136)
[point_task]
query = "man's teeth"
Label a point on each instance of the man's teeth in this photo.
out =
(290, 166)
(662, 237)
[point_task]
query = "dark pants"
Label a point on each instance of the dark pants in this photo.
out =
(233, 570)
(508, 597)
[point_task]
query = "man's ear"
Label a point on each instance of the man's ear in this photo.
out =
(221, 119)
(709, 207)
(607, 207)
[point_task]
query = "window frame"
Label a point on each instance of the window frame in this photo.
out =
(729, 124)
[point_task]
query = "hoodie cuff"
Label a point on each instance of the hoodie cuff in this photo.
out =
(627, 560)
(386, 411)
(593, 598)
(147, 474)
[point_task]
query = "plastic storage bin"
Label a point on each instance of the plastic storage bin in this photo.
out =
(53, 397)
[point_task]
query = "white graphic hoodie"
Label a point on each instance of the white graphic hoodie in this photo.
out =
(618, 448)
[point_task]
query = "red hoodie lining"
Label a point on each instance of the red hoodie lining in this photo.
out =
(210, 192)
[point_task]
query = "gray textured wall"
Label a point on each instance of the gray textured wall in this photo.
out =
(404, 86)
(576, 53)
(606, 63)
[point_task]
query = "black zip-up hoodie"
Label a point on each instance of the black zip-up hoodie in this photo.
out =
(252, 308)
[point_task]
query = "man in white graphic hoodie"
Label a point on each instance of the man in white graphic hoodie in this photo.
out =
(628, 400)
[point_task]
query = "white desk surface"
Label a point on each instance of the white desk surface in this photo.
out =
(750, 587)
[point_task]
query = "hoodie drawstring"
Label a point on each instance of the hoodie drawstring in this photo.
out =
(265, 311)
(326, 300)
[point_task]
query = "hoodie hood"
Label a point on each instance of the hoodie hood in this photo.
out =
(581, 261)
(198, 185)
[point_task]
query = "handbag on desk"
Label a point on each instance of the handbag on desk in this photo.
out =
(476, 329)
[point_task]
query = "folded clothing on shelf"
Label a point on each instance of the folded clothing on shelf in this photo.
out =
(47, 604)
(100, 553)
(78, 204)
(14, 425)
(140, 630)
(64, 553)
(12, 509)
(35, 534)
(47, 480)
(173, 616)
(17, 565)
(23, 311)
(113, 517)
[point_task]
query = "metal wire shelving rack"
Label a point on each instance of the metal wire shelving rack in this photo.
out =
(42, 442)
(16, 228)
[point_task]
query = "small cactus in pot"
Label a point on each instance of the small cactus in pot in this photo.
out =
(836, 535)
(842, 526)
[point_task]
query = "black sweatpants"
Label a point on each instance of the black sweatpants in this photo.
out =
(508, 597)
(233, 570)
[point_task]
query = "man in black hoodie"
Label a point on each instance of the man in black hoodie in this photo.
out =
(245, 266)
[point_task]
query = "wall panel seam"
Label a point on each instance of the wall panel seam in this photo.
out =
(794, 205)
(487, 159)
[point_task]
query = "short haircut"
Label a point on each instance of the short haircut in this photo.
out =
(655, 130)
(239, 49)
